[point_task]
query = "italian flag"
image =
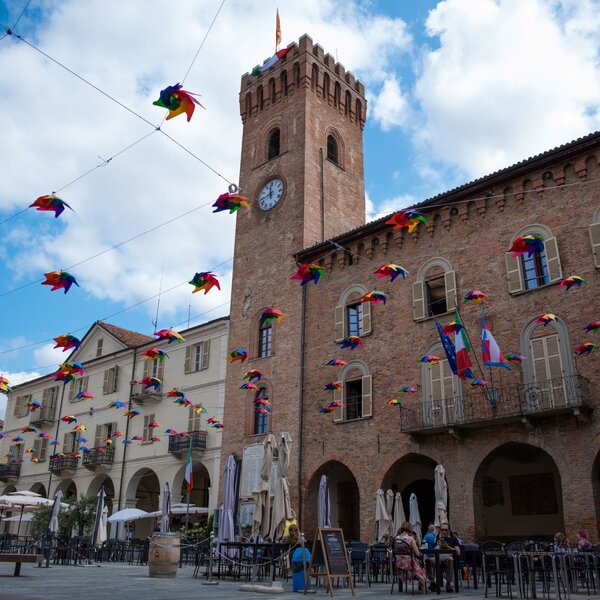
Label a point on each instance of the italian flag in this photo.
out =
(461, 342)
(189, 474)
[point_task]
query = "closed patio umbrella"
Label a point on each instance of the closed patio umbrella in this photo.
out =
(226, 528)
(441, 496)
(53, 524)
(389, 507)
(323, 512)
(261, 494)
(96, 541)
(414, 517)
(382, 519)
(282, 507)
(165, 509)
(399, 516)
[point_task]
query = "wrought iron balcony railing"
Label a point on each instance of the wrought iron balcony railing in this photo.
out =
(63, 463)
(10, 471)
(521, 402)
(141, 394)
(179, 444)
(94, 457)
(45, 414)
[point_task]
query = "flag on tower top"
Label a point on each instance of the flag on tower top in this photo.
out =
(277, 31)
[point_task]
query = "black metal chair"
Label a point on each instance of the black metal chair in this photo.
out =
(499, 566)
(358, 553)
(402, 574)
(379, 562)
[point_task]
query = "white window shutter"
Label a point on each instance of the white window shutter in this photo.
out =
(205, 353)
(66, 444)
(553, 258)
(340, 323)
(514, 272)
(105, 384)
(43, 450)
(450, 285)
(367, 396)
(367, 322)
(72, 390)
(147, 367)
(160, 373)
(188, 360)
(115, 382)
(595, 239)
(98, 436)
(338, 413)
(419, 295)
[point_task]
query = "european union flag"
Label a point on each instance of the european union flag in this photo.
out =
(450, 351)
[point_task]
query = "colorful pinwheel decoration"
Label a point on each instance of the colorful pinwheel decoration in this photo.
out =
(153, 424)
(430, 359)
(18, 438)
(352, 342)
(270, 315)
(249, 386)
(546, 318)
(479, 383)
(118, 434)
(5, 386)
(585, 348)
(336, 362)
(176, 393)
(374, 297)
(131, 413)
(569, 282)
(71, 368)
(116, 404)
(409, 389)
(3, 435)
(63, 376)
(309, 272)
(81, 440)
(407, 218)
(237, 354)
(331, 407)
(392, 271)
(262, 406)
(44, 436)
(204, 281)
(230, 202)
(80, 428)
(333, 386)
(155, 354)
(59, 280)
(54, 443)
(50, 202)
(69, 419)
(253, 375)
(170, 335)
(66, 342)
(29, 429)
(33, 405)
(475, 296)
(126, 442)
(527, 244)
(137, 438)
(453, 327)
(394, 402)
(150, 382)
(177, 101)
(200, 410)
(515, 357)
(214, 423)
(84, 396)
(171, 431)
(155, 438)
(593, 327)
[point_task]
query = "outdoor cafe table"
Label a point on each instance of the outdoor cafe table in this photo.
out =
(436, 553)
(238, 554)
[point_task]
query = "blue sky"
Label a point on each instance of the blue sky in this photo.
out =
(456, 90)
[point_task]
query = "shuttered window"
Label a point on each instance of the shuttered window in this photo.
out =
(70, 445)
(104, 432)
(194, 420)
(21, 409)
(154, 368)
(356, 399)
(547, 362)
(111, 378)
(16, 452)
(148, 431)
(595, 240)
(196, 357)
(434, 296)
(99, 345)
(79, 385)
(41, 446)
(354, 319)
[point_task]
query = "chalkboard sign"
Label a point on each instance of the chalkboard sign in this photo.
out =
(329, 558)
(335, 551)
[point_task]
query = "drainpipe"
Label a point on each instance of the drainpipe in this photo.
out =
(321, 158)
(301, 403)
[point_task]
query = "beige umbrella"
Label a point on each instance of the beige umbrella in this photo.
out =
(441, 496)
(389, 507)
(261, 493)
(25, 500)
(282, 506)
(399, 516)
(382, 519)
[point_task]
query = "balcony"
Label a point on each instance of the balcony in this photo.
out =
(179, 444)
(63, 465)
(140, 395)
(103, 456)
(10, 472)
(43, 416)
(523, 403)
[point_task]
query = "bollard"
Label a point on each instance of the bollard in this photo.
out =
(210, 562)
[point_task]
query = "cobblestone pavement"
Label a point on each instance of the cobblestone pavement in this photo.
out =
(117, 581)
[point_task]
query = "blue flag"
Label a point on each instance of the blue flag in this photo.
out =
(450, 351)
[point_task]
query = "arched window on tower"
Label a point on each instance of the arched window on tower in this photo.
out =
(261, 411)
(337, 95)
(248, 105)
(274, 143)
(296, 76)
(333, 153)
(326, 87)
(283, 83)
(265, 340)
(348, 104)
(358, 111)
(314, 81)
(260, 97)
(272, 90)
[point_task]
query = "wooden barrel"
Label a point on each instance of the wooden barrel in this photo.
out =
(163, 555)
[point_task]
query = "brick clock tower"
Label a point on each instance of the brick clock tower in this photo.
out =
(302, 167)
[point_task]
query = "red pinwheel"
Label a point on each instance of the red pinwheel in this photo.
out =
(407, 218)
(50, 202)
(59, 279)
(336, 362)
(69, 419)
(585, 348)
(204, 281)
(569, 282)
(66, 342)
(230, 202)
(309, 272)
(170, 335)
(352, 342)
(527, 244)
(269, 315)
(154, 354)
(593, 327)
(392, 271)
(150, 382)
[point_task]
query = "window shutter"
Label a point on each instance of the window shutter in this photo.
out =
(366, 318)
(340, 323)
(338, 413)
(84, 384)
(146, 433)
(17, 407)
(191, 419)
(514, 273)
(43, 450)
(72, 390)
(595, 239)
(553, 258)
(367, 396)
(538, 356)
(553, 353)
(98, 436)
(115, 382)
(66, 444)
(205, 353)
(188, 359)
(160, 373)
(419, 301)
(147, 367)
(45, 399)
(106, 384)
(450, 285)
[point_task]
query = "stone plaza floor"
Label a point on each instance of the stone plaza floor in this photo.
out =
(116, 581)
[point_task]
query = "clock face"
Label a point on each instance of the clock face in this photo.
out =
(271, 194)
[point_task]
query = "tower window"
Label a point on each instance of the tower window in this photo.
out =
(261, 419)
(326, 87)
(353, 393)
(436, 296)
(535, 269)
(358, 111)
(337, 95)
(265, 340)
(314, 82)
(296, 76)
(260, 97)
(348, 104)
(284, 84)
(272, 90)
(274, 143)
(332, 149)
(248, 104)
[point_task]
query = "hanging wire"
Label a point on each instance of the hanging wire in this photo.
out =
(9, 30)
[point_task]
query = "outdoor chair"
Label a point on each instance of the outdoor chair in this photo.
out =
(470, 564)
(402, 549)
(581, 571)
(379, 563)
(499, 566)
(358, 553)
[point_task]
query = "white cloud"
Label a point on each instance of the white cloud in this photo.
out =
(390, 107)
(389, 205)
(510, 78)
(15, 379)
(47, 356)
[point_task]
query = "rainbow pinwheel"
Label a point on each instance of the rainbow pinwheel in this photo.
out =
(118, 434)
(69, 419)
(66, 342)
(527, 244)
(177, 101)
(116, 404)
(269, 315)
(336, 362)
(155, 354)
(237, 354)
(204, 281)
(409, 389)
(50, 202)
(63, 376)
(131, 413)
(475, 296)
(137, 438)
(569, 282)
(150, 382)
(479, 383)
(170, 335)
(230, 202)
(59, 279)
(515, 357)
(309, 272)
(331, 407)
(44, 436)
(214, 423)
(126, 442)
(108, 441)
(200, 410)
(453, 327)
(352, 342)
(326, 410)
(593, 327)
(155, 438)
(249, 386)
(18, 438)
(585, 348)
(5, 386)
(394, 402)
(71, 368)
(392, 271)
(431, 359)
(84, 396)
(35, 459)
(81, 440)
(80, 428)
(171, 431)
(54, 443)
(153, 424)
(333, 386)
(374, 297)
(33, 405)
(29, 429)
(546, 318)
(253, 375)
(407, 218)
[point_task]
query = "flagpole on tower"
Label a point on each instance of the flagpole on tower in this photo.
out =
(277, 31)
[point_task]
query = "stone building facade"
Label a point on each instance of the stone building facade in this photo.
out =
(522, 454)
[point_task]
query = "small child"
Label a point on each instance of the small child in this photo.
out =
(429, 537)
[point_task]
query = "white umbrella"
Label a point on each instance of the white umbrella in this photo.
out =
(282, 507)
(26, 493)
(128, 514)
(27, 517)
(96, 541)
(165, 510)
(181, 510)
(399, 516)
(226, 527)
(441, 496)
(53, 524)
(324, 502)
(382, 519)
(414, 517)
(261, 494)
(389, 506)
(23, 500)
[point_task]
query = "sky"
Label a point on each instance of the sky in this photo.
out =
(456, 89)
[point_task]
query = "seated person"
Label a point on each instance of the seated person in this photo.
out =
(447, 541)
(429, 537)
(408, 555)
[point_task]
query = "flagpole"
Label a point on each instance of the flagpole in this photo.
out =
(489, 368)
(471, 344)
(187, 511)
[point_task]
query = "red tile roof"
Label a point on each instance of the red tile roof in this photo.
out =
(129, 338)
